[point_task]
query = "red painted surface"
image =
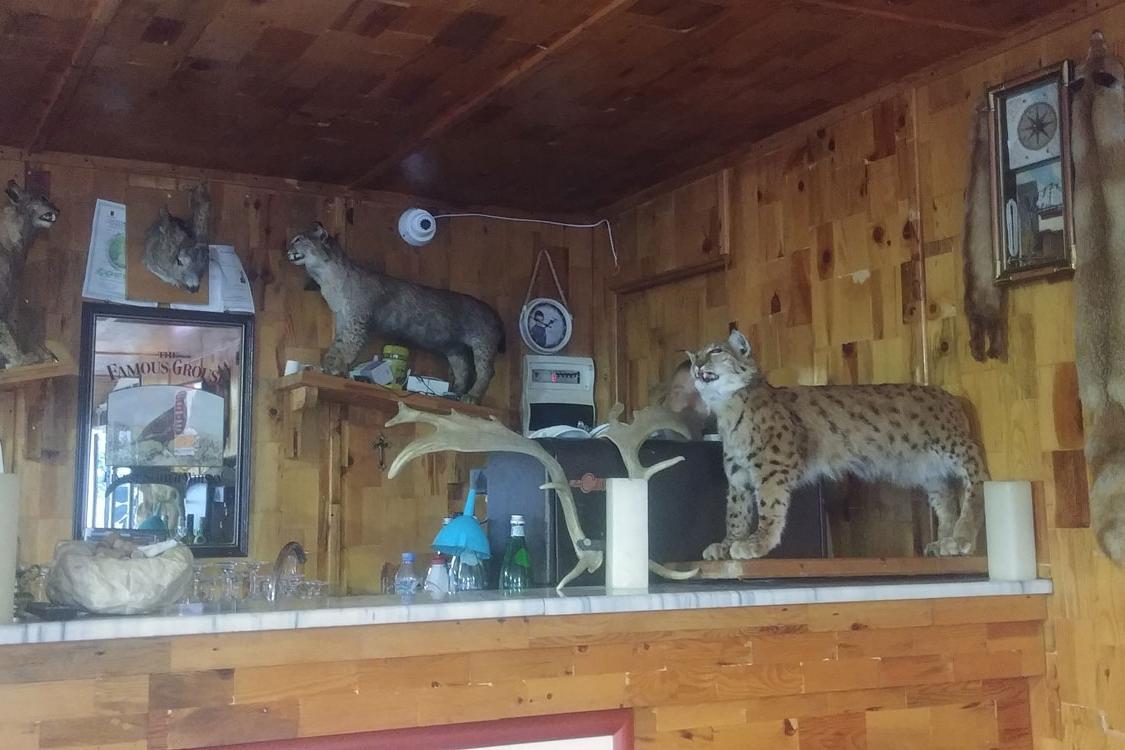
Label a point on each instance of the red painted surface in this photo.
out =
(618, 724)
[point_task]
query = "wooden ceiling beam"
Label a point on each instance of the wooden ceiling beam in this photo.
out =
(509, 78)
(891, 15)
(68, 80)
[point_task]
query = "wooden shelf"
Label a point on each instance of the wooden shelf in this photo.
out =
(309, 387)
(835, 567)
(13, 376)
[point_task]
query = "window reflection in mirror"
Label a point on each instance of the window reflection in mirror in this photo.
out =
(166, 450)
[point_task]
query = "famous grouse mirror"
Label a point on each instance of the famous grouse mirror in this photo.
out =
(1030, 154)
(164, 427)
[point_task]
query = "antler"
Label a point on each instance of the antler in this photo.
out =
(458, 432)
(630, 437)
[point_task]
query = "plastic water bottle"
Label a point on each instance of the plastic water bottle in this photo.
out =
(515, 574)
(406, 580)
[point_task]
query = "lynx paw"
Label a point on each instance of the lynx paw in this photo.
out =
(949, 547)
(748, 550)
(717, 551)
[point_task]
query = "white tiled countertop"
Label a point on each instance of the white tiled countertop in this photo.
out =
(200, 619)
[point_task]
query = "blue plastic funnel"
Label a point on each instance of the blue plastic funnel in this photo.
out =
(464, 533)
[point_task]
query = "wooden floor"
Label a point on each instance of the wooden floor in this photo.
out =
(899, 675)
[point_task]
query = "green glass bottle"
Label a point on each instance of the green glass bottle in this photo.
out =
(515, 573)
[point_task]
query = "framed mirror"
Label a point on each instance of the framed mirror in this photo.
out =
(1033, 230)
(164, 426)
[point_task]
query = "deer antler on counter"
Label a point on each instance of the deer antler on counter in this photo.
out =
(464, 434)
(629, 438)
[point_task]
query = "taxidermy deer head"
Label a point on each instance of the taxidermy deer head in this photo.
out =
(176, 251)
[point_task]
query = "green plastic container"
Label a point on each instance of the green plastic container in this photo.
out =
(398, 358)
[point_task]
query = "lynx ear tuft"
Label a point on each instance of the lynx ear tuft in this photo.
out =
(320, 232)
(739, 343)
(15, 195)
(165, 217)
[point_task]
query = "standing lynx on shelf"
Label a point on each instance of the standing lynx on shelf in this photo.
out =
(364, 303)
(777, 439)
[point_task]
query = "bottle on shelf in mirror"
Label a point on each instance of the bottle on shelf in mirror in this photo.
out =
(200, 536)
(515, 573)
(185, 530)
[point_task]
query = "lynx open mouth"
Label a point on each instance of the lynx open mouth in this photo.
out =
(49, 217)
(295, 256)
(707, 376)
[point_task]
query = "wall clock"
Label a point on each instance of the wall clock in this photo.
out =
(1030, 155)
(545, 325)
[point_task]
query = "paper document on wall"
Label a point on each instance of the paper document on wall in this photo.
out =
(229, 290)
(105, 261)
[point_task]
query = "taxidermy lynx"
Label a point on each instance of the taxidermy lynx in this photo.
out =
(22, 219)
(1098, 148)
(777, 439)
(464, 329)
(176, 251)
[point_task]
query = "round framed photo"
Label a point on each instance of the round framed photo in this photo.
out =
(545, 325)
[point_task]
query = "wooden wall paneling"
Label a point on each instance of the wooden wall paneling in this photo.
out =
(780, 677)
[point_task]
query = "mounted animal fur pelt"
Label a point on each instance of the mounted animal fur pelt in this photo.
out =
(1098, 149)
(23, 217)
(176, 250)
(985, 301)
(364, 303)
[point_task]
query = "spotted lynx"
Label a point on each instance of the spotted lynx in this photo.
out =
(777, 439)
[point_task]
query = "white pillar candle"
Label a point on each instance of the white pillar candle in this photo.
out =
(9, 532)
(1010, 529)
(626, 533)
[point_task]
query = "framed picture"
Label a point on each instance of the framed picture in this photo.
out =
(1029, 139)
(545, 325)
(164, 427)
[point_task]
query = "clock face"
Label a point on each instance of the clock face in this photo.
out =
(1033, 134)
(1037, 126)
(545, 325)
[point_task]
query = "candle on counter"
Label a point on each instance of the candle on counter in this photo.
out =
(626, 533)
(9, 530)
(1010, 529)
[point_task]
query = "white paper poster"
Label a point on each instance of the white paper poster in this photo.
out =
(105, 261)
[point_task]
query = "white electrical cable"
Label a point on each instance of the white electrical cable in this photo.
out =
(608, 226)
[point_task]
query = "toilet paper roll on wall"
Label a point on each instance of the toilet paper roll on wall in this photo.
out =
(626, 533)
(1010, 529)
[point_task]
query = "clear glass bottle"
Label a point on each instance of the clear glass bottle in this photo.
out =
(515, 573)
(466, 572)
(406, 579)
(200, 537)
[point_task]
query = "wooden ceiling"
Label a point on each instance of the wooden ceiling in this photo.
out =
(559, 105)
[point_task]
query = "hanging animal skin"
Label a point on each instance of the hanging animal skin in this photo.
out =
(176, 251)
(985, 301)
(1098, 149)
(23, 217)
